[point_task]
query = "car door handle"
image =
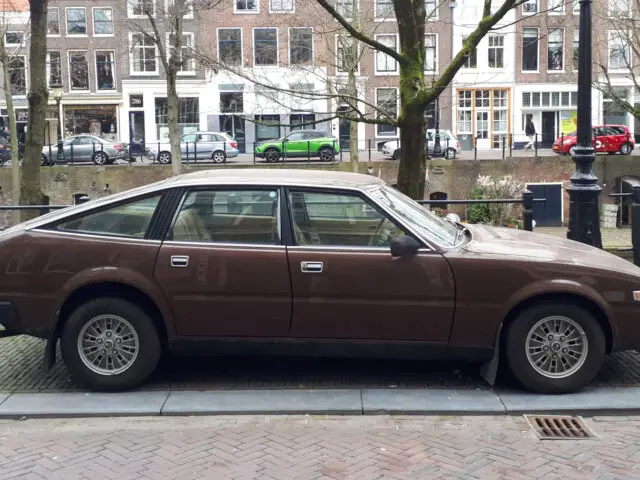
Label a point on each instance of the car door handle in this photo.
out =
(311, 267)
(180, 261)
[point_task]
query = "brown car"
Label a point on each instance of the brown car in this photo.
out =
(312, 261)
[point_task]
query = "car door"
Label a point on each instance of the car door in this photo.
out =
(206, 145)
(223, 266)
(346, 284)
(295, 144)
(188, 146)
(81, 149)
(599, 139)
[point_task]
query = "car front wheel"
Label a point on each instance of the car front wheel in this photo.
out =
(272, 155)
(110, 344)
(555, 348)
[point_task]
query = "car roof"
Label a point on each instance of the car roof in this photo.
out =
(275, 177)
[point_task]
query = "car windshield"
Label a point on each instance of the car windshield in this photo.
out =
(423, 221)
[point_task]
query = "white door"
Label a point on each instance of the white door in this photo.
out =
(482, 130)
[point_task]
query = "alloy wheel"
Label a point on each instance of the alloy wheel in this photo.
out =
(218, 157)
(164, 158)
(99, 158)
(326, 154)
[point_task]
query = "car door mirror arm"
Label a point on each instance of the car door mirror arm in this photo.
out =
(404, 246)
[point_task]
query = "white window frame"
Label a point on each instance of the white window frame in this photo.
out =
(468, 109)
(526, 12)
(132, 72)
(396, 70)
(187, 16)
(436, 57)
(93, 22)
(575, 31)
(610, 36)
(48, 66)
(185, 73)
(130, 13)
(387, 135)
(113, 68)
(253, 41)
(26, 75)
(246, 12)
(575, 7)
(436, 11)
(559, 10)
(12, 45)
(66, 23)
(522, 70)
(564, 59)
(335, 5)
(86, 54)
(502, 47)
(276, 12)
(378, 18)
(313, 46)
(59, 28)
(241, 43)
(614, 14)
(337, 59)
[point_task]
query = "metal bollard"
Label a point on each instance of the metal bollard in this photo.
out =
(527, 210)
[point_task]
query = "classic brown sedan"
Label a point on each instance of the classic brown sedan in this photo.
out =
(312, 261)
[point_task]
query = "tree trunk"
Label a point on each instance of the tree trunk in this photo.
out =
(13, 133)
(173, 112)
(412, 169)
(30, 191)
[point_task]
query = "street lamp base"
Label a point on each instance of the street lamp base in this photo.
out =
(584, 193)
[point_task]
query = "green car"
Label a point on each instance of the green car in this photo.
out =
(299, 144)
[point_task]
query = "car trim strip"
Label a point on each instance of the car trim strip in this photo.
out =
(365, 250)
(100, 237)
(226, 246)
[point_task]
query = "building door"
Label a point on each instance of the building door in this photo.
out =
(548, 129)
(136, 133)
(482, 129)
(234, 125)
(343, 129)
(549, 213)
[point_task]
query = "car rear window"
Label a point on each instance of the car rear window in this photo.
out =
(616, 131)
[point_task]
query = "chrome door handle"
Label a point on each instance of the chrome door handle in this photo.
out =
(311, 267)
(179, 261)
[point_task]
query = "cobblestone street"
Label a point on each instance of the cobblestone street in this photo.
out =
(340, 448)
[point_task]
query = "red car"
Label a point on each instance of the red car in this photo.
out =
(608, 138)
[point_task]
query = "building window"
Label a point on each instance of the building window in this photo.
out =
(281, 6)
(78, 71)
(102, 21)
(619, 8)
(530, 7)
(576, 48)
(385, 63)
(556, 7)
(345, 8)
(387, 106)
(104, 70)
(302, 121)
(301, 46)
(500, 117)
(188, 116)
(618, 51)
(384, 10)
(143, 53)
(185, 58)
(347, 53)
(13, 39)
(496, 51)
(471, 60)
(465, 99)
(230, 46)
(18, 75)
(431, 9)
(576, 7)
(265, 47)
(267, 127)
(483, 98)
(76, 21)
(430, 53)
(54, 68)
(613, 113)
(246, 6)
(141, 8)
(53, 21)
(186, 9)
(530, 49)
(555, 50)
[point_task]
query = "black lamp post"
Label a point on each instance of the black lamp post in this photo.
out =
(584, 221)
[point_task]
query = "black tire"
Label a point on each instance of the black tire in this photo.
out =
(516, 350)
(100, 158)
(45, 161)
(272, 155)
(396, 154)
(326, 154)
(219, 156)
(626, 149)
(164, 158)
(450, 153)
(149, 346)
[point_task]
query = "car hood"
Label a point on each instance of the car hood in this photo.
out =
(508, 242)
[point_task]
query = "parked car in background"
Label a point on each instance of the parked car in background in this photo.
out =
(194, 146)
(606, 139)
(307, 262)
(5, 150)
(299, 144)
(449, 144)
(84, 148)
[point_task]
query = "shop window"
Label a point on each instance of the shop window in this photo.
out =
(17, 75)
(78, 71)
(267, 127)
(230, 46)
(102, 21)
(265, 47)
(53, 21)
(301, 46)
(54, 68)
(104, 70)
(387, 106)
(94, 120)
(188, 116)
(231, 102)
(529, 49)
(612, 110)
(76, 21)
(471, 60)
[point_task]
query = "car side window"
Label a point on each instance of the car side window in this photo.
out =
(83, 141)
(340, 220)
(188, 138)
(228, 216)
(295, 136)
(125, 220)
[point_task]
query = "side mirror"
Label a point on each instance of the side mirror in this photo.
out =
(404, 246)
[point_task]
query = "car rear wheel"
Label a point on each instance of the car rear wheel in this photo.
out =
(450, 153)
(218, 156)
(272, 155)
(555, 348)
(164, 158)
(110, 344)
(100, 158)
(626, 149)
(45, 161)
(326, 154)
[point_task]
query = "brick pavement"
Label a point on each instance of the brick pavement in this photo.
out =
(611, 237)
(339, 448)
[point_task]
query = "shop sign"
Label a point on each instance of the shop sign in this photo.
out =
(22, 114)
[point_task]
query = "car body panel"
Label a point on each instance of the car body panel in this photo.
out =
(447, 140)
(199, 146)
(303, 143)
(606, 139)
(81, 148)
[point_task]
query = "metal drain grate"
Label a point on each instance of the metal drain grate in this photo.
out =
(557, 427)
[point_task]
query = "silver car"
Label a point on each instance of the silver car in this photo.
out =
(194, 146)
(84, 148)
(448, 143)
